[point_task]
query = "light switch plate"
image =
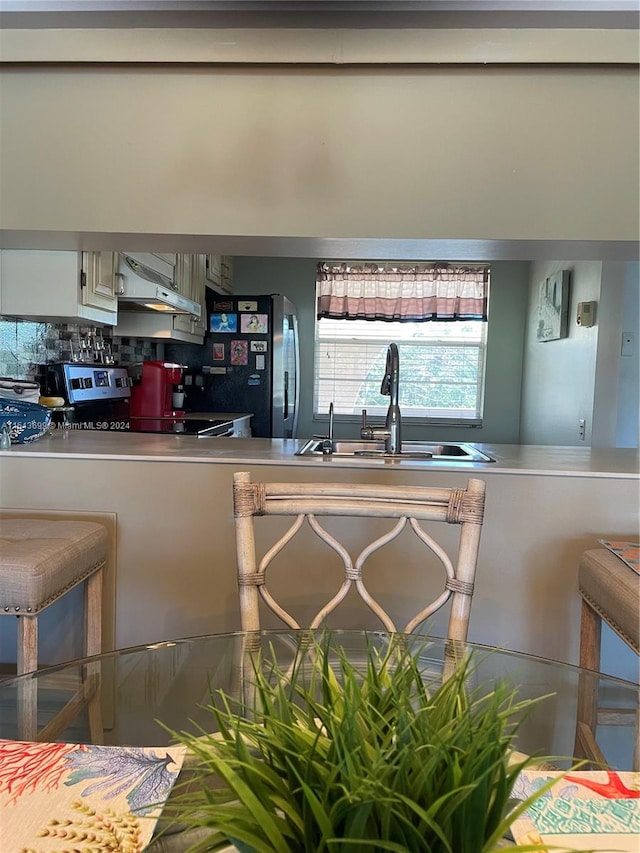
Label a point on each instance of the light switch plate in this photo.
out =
(628, 344)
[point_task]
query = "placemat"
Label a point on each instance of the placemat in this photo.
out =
(629, 552)
(582, 810)
(59, 796)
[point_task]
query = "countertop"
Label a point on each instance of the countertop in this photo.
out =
(510, 458)
(214, 416)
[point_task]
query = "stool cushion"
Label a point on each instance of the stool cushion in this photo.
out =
(613, 589)
(41, 559)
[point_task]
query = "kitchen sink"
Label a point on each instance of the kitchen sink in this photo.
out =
(453, 452)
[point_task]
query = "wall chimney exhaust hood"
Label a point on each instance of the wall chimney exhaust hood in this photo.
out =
(146, 282)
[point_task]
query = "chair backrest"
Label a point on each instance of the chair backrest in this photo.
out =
(408, 504)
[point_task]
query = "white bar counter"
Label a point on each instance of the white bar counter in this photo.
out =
(175, 572)
(545, 460)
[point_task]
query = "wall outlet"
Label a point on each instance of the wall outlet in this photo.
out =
(582, 428)
(628, 342)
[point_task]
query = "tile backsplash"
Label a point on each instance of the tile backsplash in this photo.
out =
(24, 344)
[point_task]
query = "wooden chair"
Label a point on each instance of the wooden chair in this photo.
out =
(610, 592)
(40, 562)
(409, 505)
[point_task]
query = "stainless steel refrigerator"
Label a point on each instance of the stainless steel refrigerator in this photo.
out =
(249, 362)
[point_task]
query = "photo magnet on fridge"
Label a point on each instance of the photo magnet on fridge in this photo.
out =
(248, 306)
(239, 352)
(223, 322)
(226, 305)
(254, 323)
(258, 346)
(218, 352)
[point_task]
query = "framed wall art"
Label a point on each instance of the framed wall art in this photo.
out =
(553, 307)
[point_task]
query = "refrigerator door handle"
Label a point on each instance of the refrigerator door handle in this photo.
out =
(296, 390)
(286, 394)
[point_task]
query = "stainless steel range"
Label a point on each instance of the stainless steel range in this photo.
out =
(87, 383)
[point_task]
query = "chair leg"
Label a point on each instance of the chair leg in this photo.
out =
(27, 658)
(27, 661)
(636, 742)
(93, 613)
(89, 692)
(93, 646)
(587, 711)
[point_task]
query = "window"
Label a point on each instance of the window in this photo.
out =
(441, 367)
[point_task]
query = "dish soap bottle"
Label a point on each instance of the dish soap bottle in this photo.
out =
(5, 438)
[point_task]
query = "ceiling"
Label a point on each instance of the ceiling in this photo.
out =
(321, 13)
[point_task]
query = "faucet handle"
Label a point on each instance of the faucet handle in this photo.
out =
(366, 431)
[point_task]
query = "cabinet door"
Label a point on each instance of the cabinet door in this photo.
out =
(213, 273)
(98, 280)
(219, 273)
(198, 290)
(190, 276)
(227, 273)
(184, 322)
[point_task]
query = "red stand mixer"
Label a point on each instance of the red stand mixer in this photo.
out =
(153, 396)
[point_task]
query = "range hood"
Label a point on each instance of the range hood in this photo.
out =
(146, 283)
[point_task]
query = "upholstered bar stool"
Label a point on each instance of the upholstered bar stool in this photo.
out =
(610, 591)
(40, 561)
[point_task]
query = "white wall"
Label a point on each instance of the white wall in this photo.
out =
(176, 559)
(609, 322)
(468, 153)
(629, 378)
(559, 376)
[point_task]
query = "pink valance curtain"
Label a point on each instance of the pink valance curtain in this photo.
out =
(402, 293)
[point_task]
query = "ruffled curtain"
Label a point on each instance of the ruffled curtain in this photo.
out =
(407, 293)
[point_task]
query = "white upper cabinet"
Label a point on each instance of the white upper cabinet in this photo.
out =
(98, 280)
(213, 272)
(59, 286)
(219, 273)
(227, 273)
(190, 277)
(198, 293)
(183, 322)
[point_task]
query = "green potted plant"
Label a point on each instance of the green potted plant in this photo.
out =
(350, 758)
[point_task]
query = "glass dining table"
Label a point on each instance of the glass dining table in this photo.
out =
(106, 726)
(132, 701)
(146, 691)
